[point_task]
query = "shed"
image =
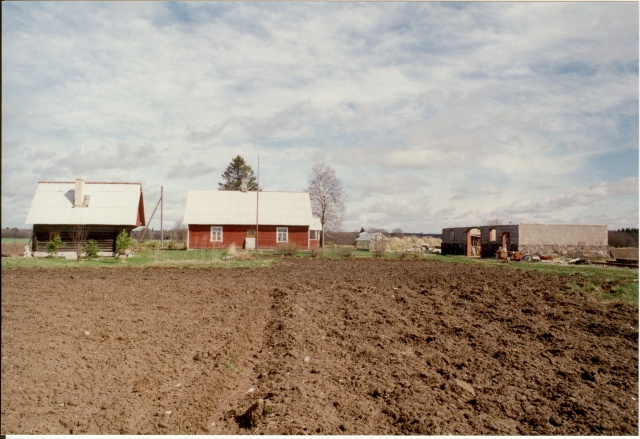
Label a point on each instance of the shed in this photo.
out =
(216, 218)
(372, 241)
(102, 209)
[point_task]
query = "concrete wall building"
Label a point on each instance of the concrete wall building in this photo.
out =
(535, 239)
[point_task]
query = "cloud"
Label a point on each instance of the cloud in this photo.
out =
(524, 105)
(196, 169)
(195, 136)
(465, 192)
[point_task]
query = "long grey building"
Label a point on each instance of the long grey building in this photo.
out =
(534, 239)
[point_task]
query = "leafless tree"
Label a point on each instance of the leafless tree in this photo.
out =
(397, 232)
(494, 222)
(79, 235)
(179, 233)
(327, 198)
(377, 229)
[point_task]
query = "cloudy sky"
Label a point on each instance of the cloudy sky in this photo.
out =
(432, 114)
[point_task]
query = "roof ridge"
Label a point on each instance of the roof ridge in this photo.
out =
(91, 182)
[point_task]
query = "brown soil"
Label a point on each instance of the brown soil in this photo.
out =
(315, 347)
(13, 249)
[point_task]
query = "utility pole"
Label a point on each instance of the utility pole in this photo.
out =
(161, 217)
(257, 202)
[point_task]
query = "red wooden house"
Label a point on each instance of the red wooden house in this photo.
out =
(215, 219)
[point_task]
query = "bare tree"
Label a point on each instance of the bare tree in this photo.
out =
(179, 234)
(397, 232)
(494, 222)
(327, 198)
(79, 235)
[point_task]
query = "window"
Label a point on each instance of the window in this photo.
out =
(492, 235)
(52, 235)
(452, 235)
(251, 232)
(216, 234)
(313, 234)
(282, 234)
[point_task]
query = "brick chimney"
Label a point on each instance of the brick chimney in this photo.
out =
(78, 199)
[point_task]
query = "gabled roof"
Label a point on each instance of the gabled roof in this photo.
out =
(118, 204)
(368, 236)
(239, 208)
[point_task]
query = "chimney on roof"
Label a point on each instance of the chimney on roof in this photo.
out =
(78, 199)
(243, 185)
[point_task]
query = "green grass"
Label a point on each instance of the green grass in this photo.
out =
(626, 293)
(14, 240)
(145, 258)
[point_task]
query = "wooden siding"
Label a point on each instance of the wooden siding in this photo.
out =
(105, 236)
(200, 236)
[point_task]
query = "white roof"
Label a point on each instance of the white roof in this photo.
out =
(237, 207)
(109, 204)
(368, 236)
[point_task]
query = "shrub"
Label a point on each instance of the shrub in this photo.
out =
(54, 245)
(123, 242)
(288, 249)
(346, 252)
(91, 249)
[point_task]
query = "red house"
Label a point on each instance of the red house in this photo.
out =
(217, 218)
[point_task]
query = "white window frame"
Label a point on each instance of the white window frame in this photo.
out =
(217, 232)
(284, 230)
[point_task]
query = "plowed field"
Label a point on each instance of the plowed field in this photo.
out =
(315, 347)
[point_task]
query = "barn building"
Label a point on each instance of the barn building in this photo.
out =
(216, 219)
(534, 239)
(103, 210)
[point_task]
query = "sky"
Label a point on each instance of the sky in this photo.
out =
(431, 114)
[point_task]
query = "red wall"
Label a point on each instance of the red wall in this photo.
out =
(200, 236)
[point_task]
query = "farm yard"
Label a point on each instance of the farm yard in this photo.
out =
(319, 346)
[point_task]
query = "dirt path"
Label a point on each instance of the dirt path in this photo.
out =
(314, 347)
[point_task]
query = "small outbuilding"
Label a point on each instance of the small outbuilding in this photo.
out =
(372, 241)
(96, 210)
(534, 239)
(216, 219)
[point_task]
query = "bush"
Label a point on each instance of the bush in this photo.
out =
(346, 252)
(91, 249)
(54, 245)
(288, 249)
(123, 242)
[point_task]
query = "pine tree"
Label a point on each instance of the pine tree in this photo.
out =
(235, 172)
